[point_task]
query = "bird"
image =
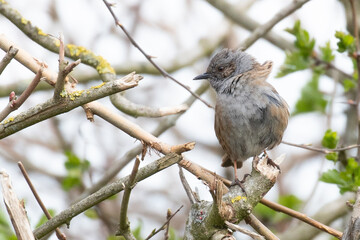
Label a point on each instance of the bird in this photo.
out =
(250, 115)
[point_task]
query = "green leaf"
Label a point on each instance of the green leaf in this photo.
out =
(294, 61)
(326, 53)
(311, 99)
(346, 42)
(75, 169)
(91, 213)
(331, 176)
(303, 41)
(348, 84)
(330, 139)
(332, 156)
(43, 219)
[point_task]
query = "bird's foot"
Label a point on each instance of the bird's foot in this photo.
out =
(240, 183)
(272, 163)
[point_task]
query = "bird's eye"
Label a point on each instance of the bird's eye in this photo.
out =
(221, 68)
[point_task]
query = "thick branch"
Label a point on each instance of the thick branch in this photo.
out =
(104, 193)
(15, 209)
(70, 101)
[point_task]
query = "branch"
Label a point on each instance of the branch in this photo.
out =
(124, 226)
(136, 131)
(136, 110)
(260, 228)
(16, 103)
(149, 58)
(59, 234)
(265, 28)
(321, 150)
(66, 215)
(302, 217)
(352, 231)
(52, 108)
(15, 209)
(357, 58)
(60, 82)
(303, 231)
(244, 231)
(153, 233)
(7, 58)
(164, 125)
(207, 219)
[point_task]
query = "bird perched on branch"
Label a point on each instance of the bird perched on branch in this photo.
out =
(250, 115)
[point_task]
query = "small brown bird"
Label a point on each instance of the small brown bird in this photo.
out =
(250, 115)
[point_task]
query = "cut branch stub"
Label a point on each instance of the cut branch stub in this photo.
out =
(207, 218)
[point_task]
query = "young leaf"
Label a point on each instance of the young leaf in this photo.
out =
(330, 139)
(326, 53)
(294, 61)
(346, 42)
(311, 98)
(303, 41)
(348, 84)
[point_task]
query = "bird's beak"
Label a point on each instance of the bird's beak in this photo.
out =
(202, 76)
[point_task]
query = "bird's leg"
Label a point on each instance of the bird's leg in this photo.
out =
(271, 162)
(237, 181)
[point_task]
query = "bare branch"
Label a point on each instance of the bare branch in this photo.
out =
(244, 231)
(265, 28)
(136, 131)
(260, 228)
(149, 58)
(16, 103)
(153, 233)
(321, 150)
(165, 124)
(187, 187)
(7, 58)
(15, 209)
(352, 230)
(302, 217)
(59, 234)
(78, 98)
(66, 215)
(124, 227)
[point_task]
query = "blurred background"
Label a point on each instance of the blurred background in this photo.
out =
(181, 36)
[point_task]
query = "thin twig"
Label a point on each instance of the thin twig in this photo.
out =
(124, 227)
(60, 82)
(149, 58)
(321, 150)
(357, 58)
(64, 69)
(166, 234)
(260, 227)
(7, 58)
(187, 187)
(264, 28)
(302, 217)
(153, 233)
(59, 234)
(244, 231)
(15, 103)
